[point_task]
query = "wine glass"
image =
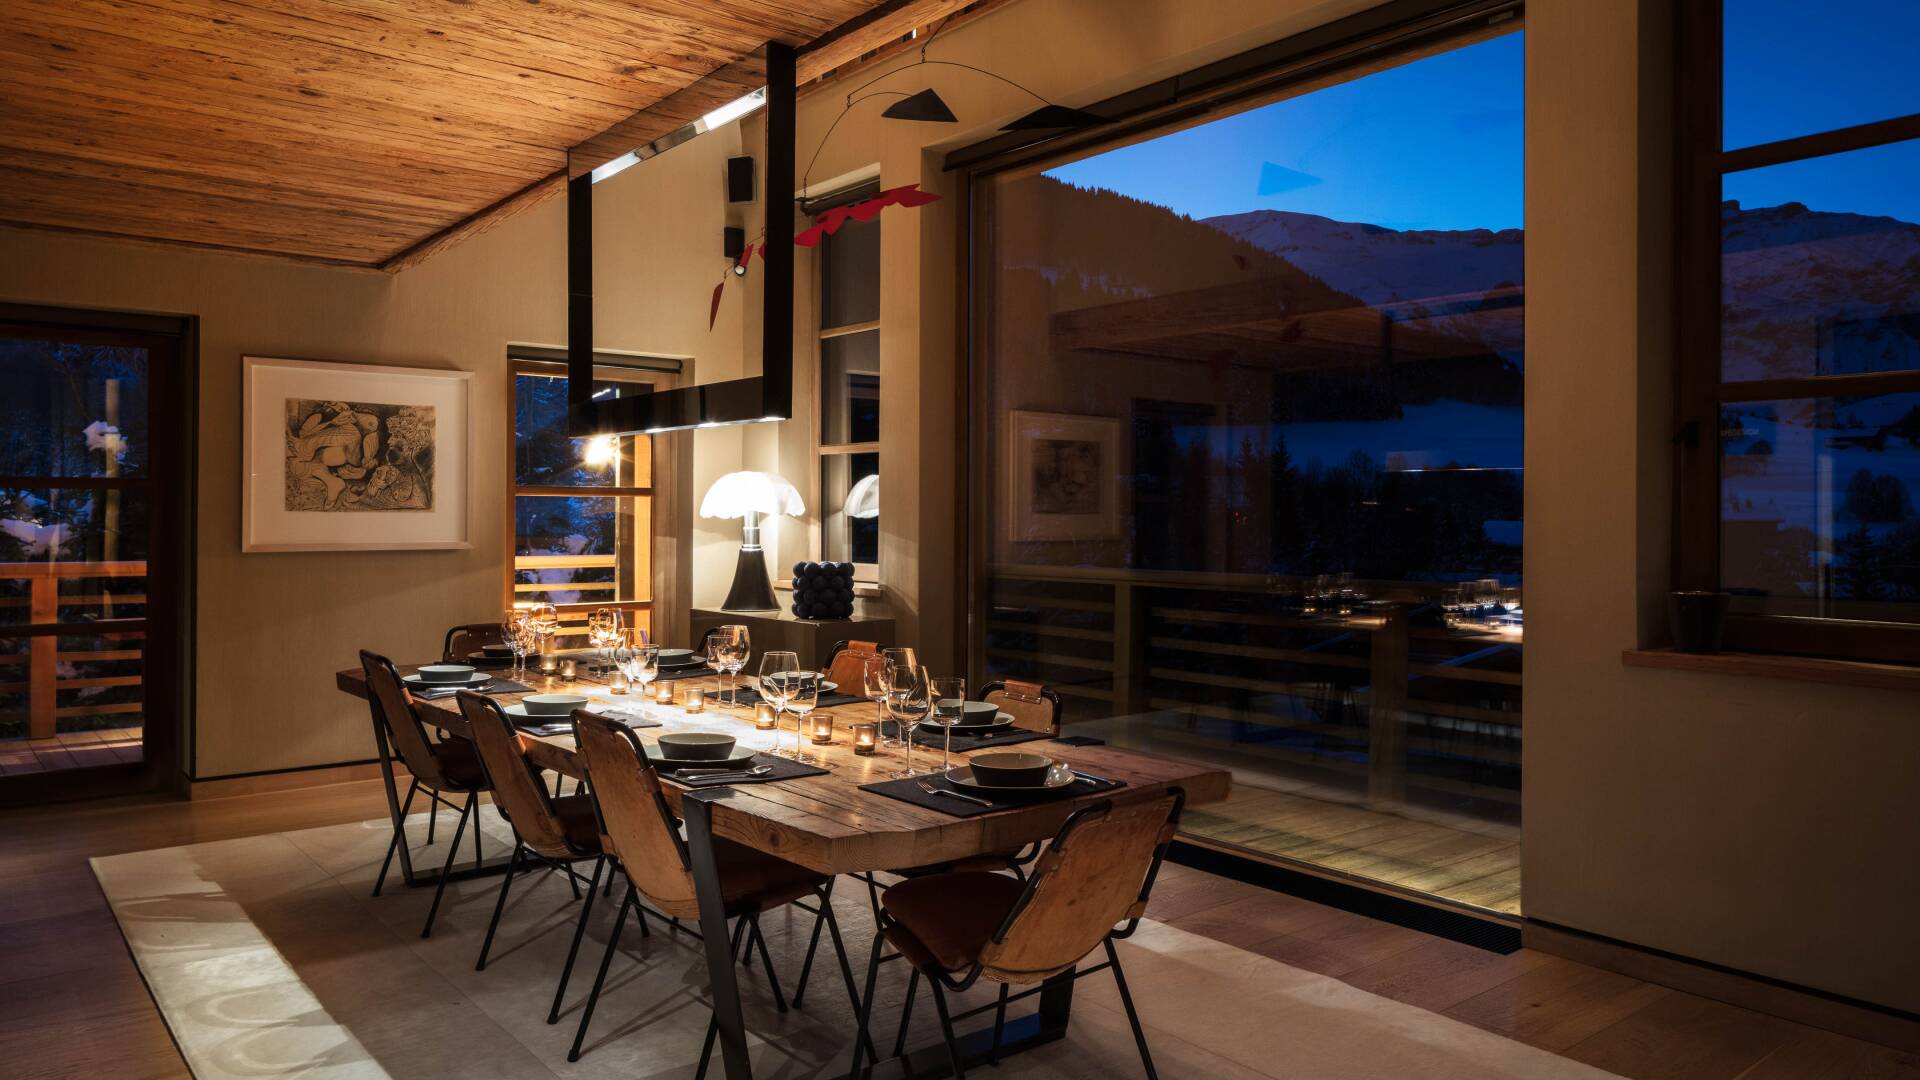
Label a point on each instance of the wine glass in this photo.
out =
(909, 699)
(600, 634)
(777, 669)
(643, 661)
(544, 620)
(802, 696)
(873, 682)
(897, 658)
(949, 705)
(735, 648)
(513, 627)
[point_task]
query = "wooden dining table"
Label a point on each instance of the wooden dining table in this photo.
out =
(828, 824)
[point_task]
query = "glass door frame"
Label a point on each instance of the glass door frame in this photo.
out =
(170, 482)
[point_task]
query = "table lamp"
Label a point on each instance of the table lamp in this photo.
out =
(748, 495)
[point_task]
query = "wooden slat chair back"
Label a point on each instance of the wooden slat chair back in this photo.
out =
(516, 789)
(468, 638)
(1032, 706)
(393, 711)
(847, 662)
(636, 824)
(1094, 876)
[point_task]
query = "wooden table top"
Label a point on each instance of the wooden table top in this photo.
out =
(827, 823)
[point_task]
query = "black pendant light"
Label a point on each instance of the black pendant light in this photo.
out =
(1054, 118)
(924, 106)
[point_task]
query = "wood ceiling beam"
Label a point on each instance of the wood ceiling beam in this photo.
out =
(877, 28)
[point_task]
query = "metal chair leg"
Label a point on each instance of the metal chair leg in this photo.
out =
(433, 818)
(999, 1026)
(486, 944)
(706, 1048)
(600, 978)
(399, 828)
(476, 830)
(806, 965)
(773, 979)
(1139, 1034)
(861, 1039)
(946, 1027)
(846, 969)
(579, 931)
(906, 1014)
(440, 889)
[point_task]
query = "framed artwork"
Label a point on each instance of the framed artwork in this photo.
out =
(353, 457)
(1065, 482)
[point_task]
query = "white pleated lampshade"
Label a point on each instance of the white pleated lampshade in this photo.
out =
(738, 494)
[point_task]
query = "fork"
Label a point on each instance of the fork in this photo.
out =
(927, 786)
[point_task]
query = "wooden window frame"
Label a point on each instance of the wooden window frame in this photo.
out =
(655, 372)
(1702, 163)
(862, 572)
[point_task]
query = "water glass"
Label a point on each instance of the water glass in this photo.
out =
(949, 706)
(777, 684)
(909, 700)
(643, 665)
(802, 696)
(894, 659)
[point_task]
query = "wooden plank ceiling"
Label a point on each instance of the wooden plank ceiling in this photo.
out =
(352, 131)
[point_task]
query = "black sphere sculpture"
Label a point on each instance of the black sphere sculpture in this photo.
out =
(823, 590)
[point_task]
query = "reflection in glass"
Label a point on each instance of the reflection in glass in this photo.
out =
(1252, 396)
(850, 376)
(850, 278)
(1794, 68)
(72, 410)
(569, 545)
(544, 455)
(1820, 266)
(1817, 506)
(850, 509)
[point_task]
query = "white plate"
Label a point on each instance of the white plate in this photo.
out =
(1059, 778)
(474, 679)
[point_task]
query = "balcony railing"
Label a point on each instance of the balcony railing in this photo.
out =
(52, 622)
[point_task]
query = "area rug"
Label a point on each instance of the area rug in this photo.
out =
(268, 957)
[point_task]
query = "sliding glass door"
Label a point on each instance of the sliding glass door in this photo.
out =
(92, 570)
(1247, 459)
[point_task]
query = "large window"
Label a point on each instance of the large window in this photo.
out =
(1800, 314)
(583, 508)
(849, 336)
(1247, 458)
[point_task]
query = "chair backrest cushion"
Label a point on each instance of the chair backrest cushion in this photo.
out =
(634, 820)
(1030, 705)
(393, 710)
(848, 666)
(516, 786)
(1087, 882)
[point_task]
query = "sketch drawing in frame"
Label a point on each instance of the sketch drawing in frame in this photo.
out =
(343, 457)
(1065, 477)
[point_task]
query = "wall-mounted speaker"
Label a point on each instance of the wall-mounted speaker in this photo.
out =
(732, 242)
(740, 179)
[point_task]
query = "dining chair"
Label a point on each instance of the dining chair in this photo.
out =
(466, 639)
(555, 831)
(642, 837)
(846, 663)
(1089, 889)
(446, 766)
(1032, 706)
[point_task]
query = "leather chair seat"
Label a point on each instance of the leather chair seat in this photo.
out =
(948, 920)
(460, 764)
(755, 881)
(577, 820)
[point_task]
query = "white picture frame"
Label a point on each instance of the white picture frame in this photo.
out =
(1064, 481)
(354, 457)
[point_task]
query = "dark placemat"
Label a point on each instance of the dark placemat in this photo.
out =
(930, 735)
(497, 686)
(909, 790)
(1080, 740)
(750, 696)
(783, 769)
(690, 671)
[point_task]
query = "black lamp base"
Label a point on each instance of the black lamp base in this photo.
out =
(752, 588)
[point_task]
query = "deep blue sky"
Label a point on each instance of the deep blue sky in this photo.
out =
(1434, 144)
(1437, 143)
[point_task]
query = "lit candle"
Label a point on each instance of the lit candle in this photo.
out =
(663, 693)
(764, 718)
(822, 729)
(548, 664)
(863, 743)
(566, 671)
(617, 682)
(696, 699)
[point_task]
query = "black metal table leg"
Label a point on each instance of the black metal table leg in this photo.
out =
(697, 810)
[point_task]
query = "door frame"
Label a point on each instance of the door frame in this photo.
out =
(168, 662)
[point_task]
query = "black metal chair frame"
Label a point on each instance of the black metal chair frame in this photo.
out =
(398, 808)
(745, 926)
(941, 981)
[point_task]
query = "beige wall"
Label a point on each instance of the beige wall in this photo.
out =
(1770, 826)
(273, 628)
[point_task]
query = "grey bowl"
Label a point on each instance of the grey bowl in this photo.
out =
(1010, 769)
(696, 746)
(446, 673)
(551, 704)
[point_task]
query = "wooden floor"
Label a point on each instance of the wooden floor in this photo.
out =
(70, 750)
(66, 971)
